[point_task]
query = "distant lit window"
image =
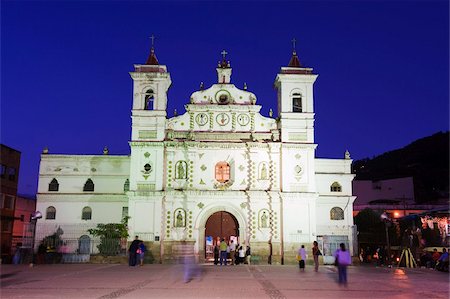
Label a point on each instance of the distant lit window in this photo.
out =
(54, 185)
(336, 213)
(126, 185)
(50, 213)
(297, 102)
(11, 174)
(222, 172)
(86, 214)
(336, 187)
(89, 186)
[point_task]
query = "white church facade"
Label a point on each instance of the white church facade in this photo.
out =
(220, 170)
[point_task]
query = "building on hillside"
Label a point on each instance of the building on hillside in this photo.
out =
(394, 196)
(9, 177)
(220, 170)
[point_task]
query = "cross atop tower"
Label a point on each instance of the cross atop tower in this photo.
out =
(153, 40)
(224, 53)
(293, 43)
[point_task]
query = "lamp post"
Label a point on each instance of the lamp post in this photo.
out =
(386, 220)
(34, 218)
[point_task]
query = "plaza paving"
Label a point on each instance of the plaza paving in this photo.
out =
(243, 281)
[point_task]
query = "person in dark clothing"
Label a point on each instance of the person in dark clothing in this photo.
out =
(132, 251)
(216, 254)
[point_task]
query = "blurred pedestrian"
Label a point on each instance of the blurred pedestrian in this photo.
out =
(216, 254)
(316, 252)
(248, 254)
(343, 259)
(132, 251)
(140, 252)
(301, 257)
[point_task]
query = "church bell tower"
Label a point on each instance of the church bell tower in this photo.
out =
(151, 82)
(294, 85)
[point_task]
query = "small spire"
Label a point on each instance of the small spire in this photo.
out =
(45, 150)
(245, 86)
(202, 85)
(175, 113)
(224, 63)
(270, 112)
(294, 62)
(347, 155)
(152, 60)
(105, 150)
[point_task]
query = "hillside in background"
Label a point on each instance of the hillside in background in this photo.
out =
(426, 160)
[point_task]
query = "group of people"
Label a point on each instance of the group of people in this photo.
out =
(342, 260)
(136, 252)
(232, 250)
(436, 260)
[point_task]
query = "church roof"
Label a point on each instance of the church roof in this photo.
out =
(152, 60)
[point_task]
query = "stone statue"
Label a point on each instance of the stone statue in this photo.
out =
(181, 173)
(179, 222)
(264, 220)
(263, 175)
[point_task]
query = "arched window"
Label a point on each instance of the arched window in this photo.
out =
(335, 187)
(50, 213)
(86, 214)
(54, 185)
(149, 99)
(89, 186)
(222, 172)
(336, 213)
(297, 102)
(126, 186)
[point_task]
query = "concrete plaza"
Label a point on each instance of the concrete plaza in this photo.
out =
(242, 281)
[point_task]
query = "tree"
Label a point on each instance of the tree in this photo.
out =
(110, 235)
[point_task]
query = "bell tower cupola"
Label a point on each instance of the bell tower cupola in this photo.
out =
(151, 82)
(223, 70)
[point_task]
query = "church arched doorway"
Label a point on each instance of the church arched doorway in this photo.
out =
(220, 225)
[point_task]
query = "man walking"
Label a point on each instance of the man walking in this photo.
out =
(233, 252)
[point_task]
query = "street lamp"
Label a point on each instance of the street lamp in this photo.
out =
(386, 220)
(34, 218)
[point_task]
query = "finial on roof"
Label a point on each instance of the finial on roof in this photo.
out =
(224, 63)
(245, 86)
(45, 150)
(202, 86)
(105, 150)
(294, 62)
(347, 155)
(152, 60)
(175, 113)
(270, 112)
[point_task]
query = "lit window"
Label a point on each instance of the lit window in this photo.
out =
(86, 214)
(222, 172)
(336, 187)
(50, 213)
(124, 212)
(89, 186)
(336, 213)
(297, 102)
(149, 99)
(54, 185)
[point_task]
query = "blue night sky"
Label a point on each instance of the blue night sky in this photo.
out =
(383, 68)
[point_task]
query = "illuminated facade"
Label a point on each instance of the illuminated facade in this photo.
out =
(220, 156)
